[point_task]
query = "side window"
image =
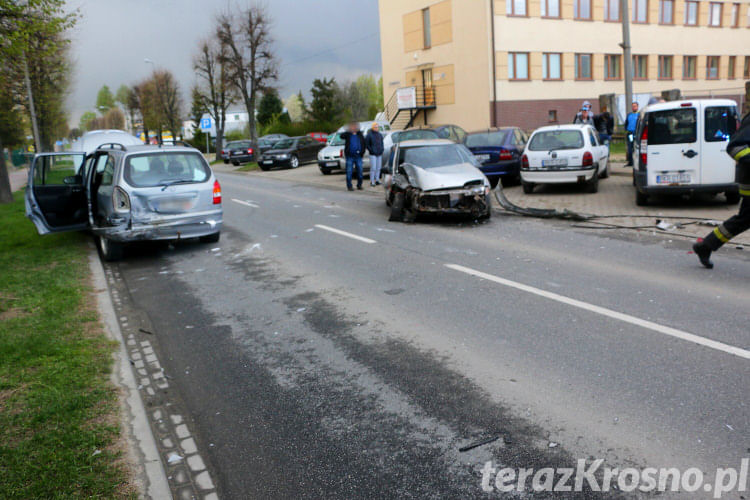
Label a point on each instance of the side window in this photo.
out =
(460, 134)
(108, 172)
(53, 170)
(721, 123)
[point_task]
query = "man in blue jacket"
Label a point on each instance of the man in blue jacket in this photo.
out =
(631, 121)
(375, 147)
(354, 150)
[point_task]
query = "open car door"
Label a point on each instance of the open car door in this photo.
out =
(56, 196)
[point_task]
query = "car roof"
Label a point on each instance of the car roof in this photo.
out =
(147, 148)
(566, 126)
(491, 129)
(663, 106)
(425, 142)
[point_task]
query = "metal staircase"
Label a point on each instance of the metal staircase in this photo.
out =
(402, 116)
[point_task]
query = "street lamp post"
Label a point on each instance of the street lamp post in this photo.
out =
(626, 54)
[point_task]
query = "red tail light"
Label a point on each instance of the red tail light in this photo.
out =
(644, 146)
(217, 193)
(341, 153)
(588, 159)
(249, 151)
(524, 161)
(505, 155)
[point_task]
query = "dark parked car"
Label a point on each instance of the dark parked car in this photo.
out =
(291, 152)
(499, 152)
(239, 152)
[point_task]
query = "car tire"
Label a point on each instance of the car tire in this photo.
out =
(733, 197)
(226, 162)
(210, 238)
(110, 251)
(641, 199)
(528, 187)
(592, 186)
(605, 173)
(236, 163)
(293, 162)
(397, 208)
(265, 168)
(325, 171)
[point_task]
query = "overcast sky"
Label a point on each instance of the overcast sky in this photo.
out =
(313, 38)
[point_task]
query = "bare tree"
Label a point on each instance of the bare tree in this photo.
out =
(249, 57)
(215, 90)
(169, 100)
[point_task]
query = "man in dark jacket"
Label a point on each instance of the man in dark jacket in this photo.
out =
(354, 150)
(375, 148)
(604, 124)
(739, 149)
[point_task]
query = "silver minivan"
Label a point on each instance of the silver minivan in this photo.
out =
(125, 194)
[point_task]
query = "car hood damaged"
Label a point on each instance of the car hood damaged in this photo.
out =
(448, 177)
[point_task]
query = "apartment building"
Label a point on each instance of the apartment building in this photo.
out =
(479, 63)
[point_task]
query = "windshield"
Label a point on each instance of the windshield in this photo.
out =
(159, 169)
(434, 156)
(487, 139)
(556, 139)
(284, 144)
(414, 135)
(335, 140)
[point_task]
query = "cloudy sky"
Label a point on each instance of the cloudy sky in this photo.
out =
(313, 38)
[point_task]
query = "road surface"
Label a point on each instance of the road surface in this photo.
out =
(321, 351)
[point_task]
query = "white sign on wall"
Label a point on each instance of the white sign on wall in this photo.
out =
(406, 97)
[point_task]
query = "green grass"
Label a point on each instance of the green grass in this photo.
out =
(617, 148)
(57, 405)
(248, 167)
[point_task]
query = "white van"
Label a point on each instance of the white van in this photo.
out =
(681, 148)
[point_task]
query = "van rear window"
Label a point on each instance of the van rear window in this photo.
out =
(721, 123)
(672, 126)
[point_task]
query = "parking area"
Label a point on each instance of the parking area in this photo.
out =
(615, 202)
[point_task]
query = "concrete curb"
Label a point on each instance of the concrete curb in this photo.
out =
(150, 476)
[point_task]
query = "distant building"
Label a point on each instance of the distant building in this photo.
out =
(234, 121)
(480, 63)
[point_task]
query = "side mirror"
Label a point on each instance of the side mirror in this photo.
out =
(73, 180)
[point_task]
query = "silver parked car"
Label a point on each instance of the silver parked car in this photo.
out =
(435, 176)
(125, 194)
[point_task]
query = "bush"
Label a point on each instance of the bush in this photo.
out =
(300, 128)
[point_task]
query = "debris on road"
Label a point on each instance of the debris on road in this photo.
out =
(174, 458)
(145, 331)
(552, 444)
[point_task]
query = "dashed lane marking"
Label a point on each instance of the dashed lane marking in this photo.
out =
(344, 233)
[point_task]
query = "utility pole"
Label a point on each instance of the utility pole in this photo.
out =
(32, 109)
(628, 63)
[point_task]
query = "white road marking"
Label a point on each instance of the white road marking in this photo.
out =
(344, 233)
(246, 203)
(666, 330)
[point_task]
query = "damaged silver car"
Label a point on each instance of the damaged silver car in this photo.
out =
(125, 194)
(435, 176)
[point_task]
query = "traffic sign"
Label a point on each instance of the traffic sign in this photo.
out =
(205, 123)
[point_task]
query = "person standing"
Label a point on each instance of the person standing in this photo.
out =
(375, 147)
(584, 116)
(739, 149)
(354, 150)
(631, 121)
(604, 124)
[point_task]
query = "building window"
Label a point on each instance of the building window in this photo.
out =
(640, 11)
(552, 115)
(582, 9)
(518, 65)
(426, 28)
(612, 10)
(691, 13)
(583, 66)
(666, 11)
(551, 66)
(689, 67)
(612, 67)
(714, 14)
(732, 67)
(515, 7)
(735, 15)
(712, 67)
(550, 8)
(746, 68)
(640, 67)
(665, 67)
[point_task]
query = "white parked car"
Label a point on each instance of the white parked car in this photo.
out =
(681, 148)
(90, 141)
(564, 154)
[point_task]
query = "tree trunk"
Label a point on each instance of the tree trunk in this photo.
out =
(251, 118)
(6, 196)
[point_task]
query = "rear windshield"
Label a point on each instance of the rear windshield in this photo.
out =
(239, 144)
(487, 139)
(158, 169)
(414, 135)
(672, 126)
(556, 139)
(721, 123)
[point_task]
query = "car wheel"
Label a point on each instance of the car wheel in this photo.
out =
(592, 186)
(605, 173)
(293, 162)
(641, 199)
(110, 250)
(226, 162)
(265, 168)
(325, 171)
(528, 187)
(210, 238)
(733, 197)
(236, 163)
(397, 208)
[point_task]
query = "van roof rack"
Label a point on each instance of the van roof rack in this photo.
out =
(112, 145)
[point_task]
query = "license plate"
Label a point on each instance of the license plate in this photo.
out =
(557, 162)
(267, 162)
(482, 158)
(673, 179)
(332, 164)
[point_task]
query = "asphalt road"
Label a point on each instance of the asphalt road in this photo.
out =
(322, 351)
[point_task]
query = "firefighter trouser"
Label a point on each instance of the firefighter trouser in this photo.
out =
(732, 226)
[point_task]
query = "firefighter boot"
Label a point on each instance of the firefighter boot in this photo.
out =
(703, 249)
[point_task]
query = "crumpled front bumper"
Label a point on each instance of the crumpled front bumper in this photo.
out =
(450, 201)
(164, 227)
